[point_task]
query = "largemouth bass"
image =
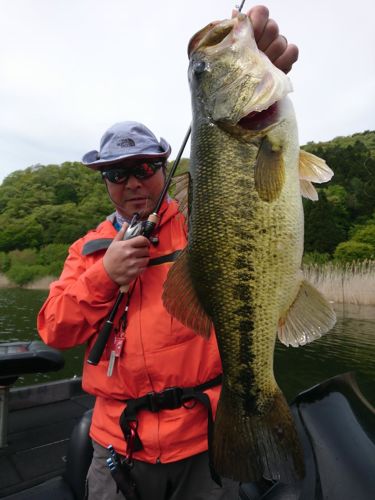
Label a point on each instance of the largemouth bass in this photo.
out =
(241, 271)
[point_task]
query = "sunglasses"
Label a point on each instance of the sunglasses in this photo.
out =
(141, 171)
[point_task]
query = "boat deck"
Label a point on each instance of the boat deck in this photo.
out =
(41, 419)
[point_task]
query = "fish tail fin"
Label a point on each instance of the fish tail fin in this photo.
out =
(247, 447)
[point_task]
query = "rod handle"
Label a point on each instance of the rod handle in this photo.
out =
(99, 346)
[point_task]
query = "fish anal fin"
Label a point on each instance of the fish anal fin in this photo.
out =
(180, 299)
(247, 447)
(313, 169)
(269, 171)
(310, 317)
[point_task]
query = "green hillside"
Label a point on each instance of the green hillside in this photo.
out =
(44, 208)
(342, 223)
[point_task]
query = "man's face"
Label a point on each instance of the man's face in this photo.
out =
(135, 194)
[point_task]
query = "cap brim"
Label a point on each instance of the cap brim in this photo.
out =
(92, 160)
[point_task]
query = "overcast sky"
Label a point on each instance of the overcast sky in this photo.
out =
(69, 69)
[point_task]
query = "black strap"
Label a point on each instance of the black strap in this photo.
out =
(171, 257)
(170, 399)
(93, 246)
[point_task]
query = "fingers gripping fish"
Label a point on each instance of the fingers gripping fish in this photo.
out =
(241, 269)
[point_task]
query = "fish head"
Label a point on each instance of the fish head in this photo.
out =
(229, 76)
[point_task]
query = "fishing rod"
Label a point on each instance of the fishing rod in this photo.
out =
(137, 227)
(239, 7)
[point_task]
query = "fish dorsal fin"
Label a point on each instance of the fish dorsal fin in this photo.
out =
(309, 317)
(307, 190)
(180, 299)
(269, 171)
(180, 191)
(313, 169)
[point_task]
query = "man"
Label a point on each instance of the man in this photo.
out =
(157, 382)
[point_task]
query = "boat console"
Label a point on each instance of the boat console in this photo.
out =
(21, 358)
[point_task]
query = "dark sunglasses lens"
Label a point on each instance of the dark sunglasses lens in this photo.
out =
(116, 176)
(143, 170)
(146, 170)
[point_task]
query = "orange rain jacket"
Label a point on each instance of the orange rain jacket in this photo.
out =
(159, 352)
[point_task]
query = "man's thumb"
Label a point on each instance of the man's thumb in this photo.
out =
(120, 235)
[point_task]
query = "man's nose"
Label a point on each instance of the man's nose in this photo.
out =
(133, 182)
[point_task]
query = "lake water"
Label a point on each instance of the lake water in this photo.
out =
(350, 346)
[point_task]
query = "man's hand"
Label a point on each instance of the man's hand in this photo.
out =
(275, 46)
(125, 260)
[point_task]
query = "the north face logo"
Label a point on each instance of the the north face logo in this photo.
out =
(125, 143)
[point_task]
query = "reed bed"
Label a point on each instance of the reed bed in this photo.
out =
(351, 283)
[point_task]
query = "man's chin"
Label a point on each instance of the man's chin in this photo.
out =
(143, 208)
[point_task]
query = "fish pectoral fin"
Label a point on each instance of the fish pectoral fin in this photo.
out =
(180, 299)
(269, 171)
(313, 169)
(307, 190)
(309, 317)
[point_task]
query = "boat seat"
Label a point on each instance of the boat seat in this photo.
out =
(79, 456)
(20, 358)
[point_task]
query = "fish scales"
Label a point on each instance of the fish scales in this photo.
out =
(234, 262)
(241, 269)
(236, 270)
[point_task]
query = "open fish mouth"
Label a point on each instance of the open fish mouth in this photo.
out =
(260, 120)
(236, 81)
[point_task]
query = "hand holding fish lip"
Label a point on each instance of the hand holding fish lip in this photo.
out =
(266, 31)
(253, 70)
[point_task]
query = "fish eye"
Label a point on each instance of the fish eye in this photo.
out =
(199, 67)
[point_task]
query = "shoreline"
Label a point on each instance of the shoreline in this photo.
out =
(341, 287)
(40, 284)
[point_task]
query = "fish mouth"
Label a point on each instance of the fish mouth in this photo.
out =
(259, 120)
(233, 80)
(210, 35)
